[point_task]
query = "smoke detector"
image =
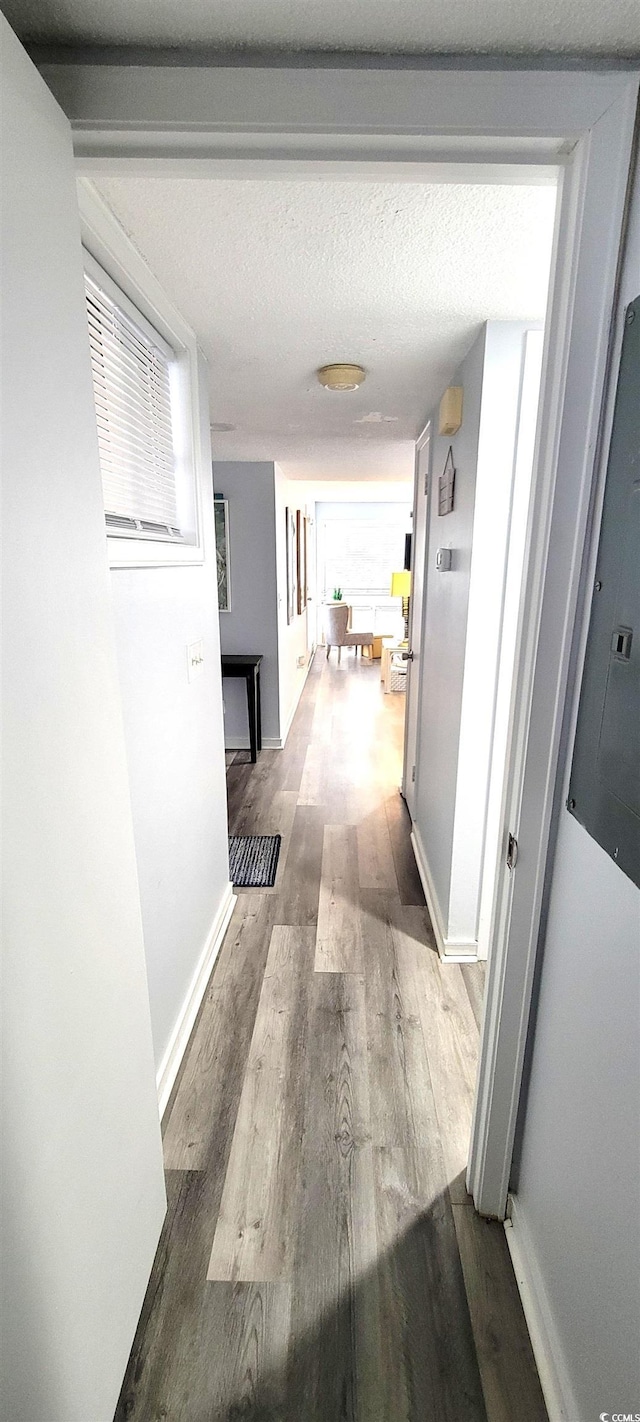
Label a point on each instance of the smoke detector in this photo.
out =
(341, 377)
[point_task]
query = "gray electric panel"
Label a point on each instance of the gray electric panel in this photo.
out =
(604, 793)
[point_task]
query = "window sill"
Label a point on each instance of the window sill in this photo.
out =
(149, 553)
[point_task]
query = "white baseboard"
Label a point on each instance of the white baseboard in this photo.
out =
(450, 951)
(554, 1378)
(296, 701)
(169, 1066)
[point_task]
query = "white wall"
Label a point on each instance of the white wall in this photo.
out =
(175, 752)
(251, 625)
(83, 1191)
(514, 573)
(463, 613)
(504, 356)
(354, 491)
(444, 634)
(578, 1192)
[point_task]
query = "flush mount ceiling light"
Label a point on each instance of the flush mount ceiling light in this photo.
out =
(341, 377)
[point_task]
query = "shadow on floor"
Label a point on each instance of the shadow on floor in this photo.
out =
(393, 1345)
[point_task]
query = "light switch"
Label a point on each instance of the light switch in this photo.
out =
(195, 659)
(444, 560)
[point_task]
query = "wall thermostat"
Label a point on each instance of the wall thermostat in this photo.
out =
(443, 560)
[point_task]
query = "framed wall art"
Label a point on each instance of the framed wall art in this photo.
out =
(446, 485)
(292, 565)
(301, 539)
(221, 525)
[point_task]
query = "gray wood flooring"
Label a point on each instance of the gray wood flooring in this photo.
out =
(320, 1260)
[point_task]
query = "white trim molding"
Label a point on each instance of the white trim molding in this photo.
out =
(577, 345)
(316, 120)
(552, 1370)
(270, 119)
(450, 950)
(170, 1064)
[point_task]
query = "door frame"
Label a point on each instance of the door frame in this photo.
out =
(436, 120)
(414, 686)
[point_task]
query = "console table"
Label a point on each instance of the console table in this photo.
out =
(248, 666)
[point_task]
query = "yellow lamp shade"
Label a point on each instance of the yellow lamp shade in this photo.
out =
(401, 584)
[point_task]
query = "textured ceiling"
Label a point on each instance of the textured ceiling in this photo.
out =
(278, 278)
(462, 26)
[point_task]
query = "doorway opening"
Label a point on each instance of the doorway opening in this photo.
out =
(503, 124)
(312, 491)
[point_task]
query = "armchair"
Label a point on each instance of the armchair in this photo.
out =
(335, 630)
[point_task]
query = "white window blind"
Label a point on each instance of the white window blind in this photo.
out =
(359, 557)
(132, 390)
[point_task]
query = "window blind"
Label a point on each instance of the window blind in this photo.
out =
(132, 392)
(359, 557)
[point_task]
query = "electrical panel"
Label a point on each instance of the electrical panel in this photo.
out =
(604, 793)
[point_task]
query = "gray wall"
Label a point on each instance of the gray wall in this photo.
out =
(252, 623)
(445, 630)
(578, 1193)
(175, 752)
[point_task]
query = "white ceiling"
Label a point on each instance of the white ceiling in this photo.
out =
(461, 26)
(280, 277)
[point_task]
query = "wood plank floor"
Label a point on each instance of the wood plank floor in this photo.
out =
(320, 1260)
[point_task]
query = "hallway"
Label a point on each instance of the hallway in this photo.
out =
(320, 1259)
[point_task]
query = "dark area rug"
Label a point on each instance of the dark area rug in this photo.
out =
(253, 860)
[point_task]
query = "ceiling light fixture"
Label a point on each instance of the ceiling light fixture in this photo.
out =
(341, 377)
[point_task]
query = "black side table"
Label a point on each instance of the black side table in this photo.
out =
(248, 666)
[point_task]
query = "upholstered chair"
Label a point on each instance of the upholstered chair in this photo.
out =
(335, 629)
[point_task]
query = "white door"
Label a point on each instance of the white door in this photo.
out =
(514, 572)
(418, 580)
(84, 1197)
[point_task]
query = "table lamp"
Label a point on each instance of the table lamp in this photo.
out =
(401, 587)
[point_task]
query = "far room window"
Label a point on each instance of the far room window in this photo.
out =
(359, 547)
(359, 557)
(140, 386)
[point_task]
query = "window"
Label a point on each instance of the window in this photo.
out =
(146, 381)
(359, 547)
(131, 367)
(136, 386)
(359, 557)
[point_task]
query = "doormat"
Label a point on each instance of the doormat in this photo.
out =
(253, 860)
